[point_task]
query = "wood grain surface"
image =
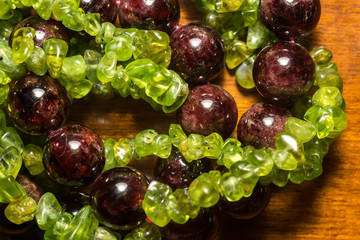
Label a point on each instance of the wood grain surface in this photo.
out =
(325, 208)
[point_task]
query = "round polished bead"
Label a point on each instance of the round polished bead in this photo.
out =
(283, 72)
(38, 104)
(290, 19)
(198, 53)
(74, 155)
(116, 198)
(207, 109)
(261, 123)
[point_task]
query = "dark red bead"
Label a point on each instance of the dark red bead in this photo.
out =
(43, 30)
(107, 8)
(74, 201)
(37, 104)
(283, 72)
(261, 123)
(289, 20)
(207, 109)
(198, 53)
(116, 198)
(74, 155)
(160, 15)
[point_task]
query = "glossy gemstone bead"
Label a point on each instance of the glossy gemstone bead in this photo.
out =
(231, 152)
(11, 137)
(260, 124)
(203, 191)
(208, 109)
(262, 160)
(59, 227)
(106, 8)
(12, 69)
(10, 162)
(227, 5)
(198, 53)
(328, 96)
(73, 69)
(117, 196)
(236, 53)
(289, 152)
(62, 7)
(244, 73)
(283, 72)
(176, 134)
(107, 67)
(246, 175)
(92, 23)
(160, 15)
(23, 44)
(328, 77)
(102, 233)
(297, 17)
(21, 211)
(146, 230)
(74, 155)
(37, 104)
(10, 191)
(43, 8)
(304, 131)
(48, 211)
(36, 62)
(73, 202)
(56, 50)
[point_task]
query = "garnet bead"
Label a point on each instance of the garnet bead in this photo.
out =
(37, 104)
(198, 53)
(207, 109)
(283, 72)
(289, 20)
(261, 123)
(74, 155)
(116, 198)
(107, 8)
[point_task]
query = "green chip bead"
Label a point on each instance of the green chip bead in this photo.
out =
(106, 33)
(43, 8)
(26, 3)
(32, 156)
(140, 70)
(122, 47)
(227, 5)
(21, 211)
(179, 100)
(110, 161)
(328, 77)
(81, 226)
(48, 211)
(56, 50)
(173, 209)
(73, 69)
(122, 152)
(60, 226)
(297, 175)
(79, 89)
(192, 147)
(231, 188)
(4, 78)
(173, 92)
(340, 121)
(74, 20)
(102, 233)
(262, 160)
(322, 118)
(244, 75)
(300, 106)
(5, 10)
(304, 131)
(203, 192)
(256, 35)
(212, 145)
(2, 122)
(231, 152)
(12, 69)
(249, 11)
(92, 59)
(220, 21)
(159, 82)
(144, 142)
(36, 62)
(204, 5)
(313, 165)
(10, 190)
(61, 8)
(289, 152)
(162, 146)
(327, 96)
(281, 177)
(145, 231)
(236, 53)
(321, 55)
(319, 144)
(11, 137)
(121, 82)
(154, 203)
(107, 67)
(246, 175)
(23, 44)
(92, 23)
(10, 162)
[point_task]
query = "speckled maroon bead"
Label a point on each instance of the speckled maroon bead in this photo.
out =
(74, 155)
(283, 72)
(43, 30)
(290, 19)
(246, 207)
(261, 123)
(198, 53)
(160, 15)
(116, 198)
(37, 104)
(207, 109)
(176, 172)
(107, 8)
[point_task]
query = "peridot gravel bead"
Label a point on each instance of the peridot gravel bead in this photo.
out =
(327, 96)
(215, 177)
(8, 65)
(106, 33)
(236, 53)
(322, 118)
(212, 145)
(121, 47)
(92, 23)
(297, 175)
(60, 226)
(192, 147)
(262, 160)
(328, 77)
(159, 82)
(21, 211)
(26, 3)
(5, 10)
(256, 35)
(179, 100)
(321, 55)
(304, 131)
(32, 156)
(162, 146)
(154, 203)
(11, 138)
(244, 75)
(122, 152)
(92, 59)
(139, 70)
(43, 8)
(340, 121)
(23, 44)
(203, 192)
(110, 161)
(281, 177)
(36, 62)
(176, 134)
(249, 11)
(319, 144)
(246, 175)
(204, 6)
(4, 90)
(80, 89)
(286, 142)
(48, 211)
(10, 162)
(173, 210)
(10, 191)
(145, 231)
(2, 122)
(60, 8)
(56, 50)
(74, 20)
(227, 5)
(102, 233)
(144, 142)
(4, 78)
(107, 67)
(313, 165)
(231, 152)
(231, 188)
(170, 96)
(121, 82)
(73, 69)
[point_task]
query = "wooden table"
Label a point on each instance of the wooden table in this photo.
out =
(325, 208)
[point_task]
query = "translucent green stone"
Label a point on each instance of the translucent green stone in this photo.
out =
(321, 55)
(139, 70)
(92, 23)
(204, 5)
(60, 226)
(203, 192)
(329, 65)
(4, 79)
(110, 161)
(297, 175)
(162, 146)
(122, 152)
(2, 122)
(32, 156)
(319, 144)
(176, 134)
(48, 211)
(281, 177)
(106, 33)
(233, 34)
(215, 177)
(80, 89)
(145, 231)
(36, 62)
(73, 69)
(56, 50)
(107, 67)
(227, 5)
(26, 3)
(236, 53)
(327, 96)
(288, 143)
(231, 188)
(322, 118)
(121, 82)
(159, 82)
(192, 147)
(154, 203)
(4, 91)
(231, 152)
(23, 44)
(180, 206)
(173, 210)
(244, 75)
(10, 190)
(220, 21)
(246, 175)
(92, 59)
(61, 8)
(12, 69)
(179, 100)
(11, 138)
(340, 121)
(121, 47)
(21, 211)
(262, 160)
(172, 93)
(102, 233)
(10, 162)
(43, 8)
(304, 131)
(144, 142)
(300, 106)
(212, 145)
(256, 35)
(313, 165)
(81, 226)
(74, 20)
(328, 77)
(249, 11)
(5, 10)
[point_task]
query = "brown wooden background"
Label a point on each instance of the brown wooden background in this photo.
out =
(325, 208)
